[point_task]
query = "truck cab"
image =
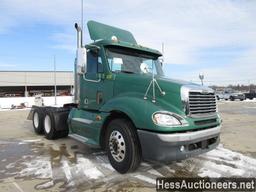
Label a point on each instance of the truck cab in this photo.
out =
(128, 107)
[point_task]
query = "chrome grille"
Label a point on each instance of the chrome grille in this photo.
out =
(202, 103)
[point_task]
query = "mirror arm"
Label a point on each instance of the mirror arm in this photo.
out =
(92, 47)
(90, 80)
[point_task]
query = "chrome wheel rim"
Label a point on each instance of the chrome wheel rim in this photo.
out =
(47, 124)
(117, 146)
(36, 120)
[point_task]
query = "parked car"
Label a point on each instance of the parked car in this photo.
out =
(236, 95)
(219, 95)
(230, 94)
(250, 95)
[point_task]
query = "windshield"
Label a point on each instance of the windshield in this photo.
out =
(130, 61)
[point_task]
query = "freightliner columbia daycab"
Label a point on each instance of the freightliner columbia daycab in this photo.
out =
(128, 107)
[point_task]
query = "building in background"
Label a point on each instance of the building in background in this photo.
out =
(31, 83)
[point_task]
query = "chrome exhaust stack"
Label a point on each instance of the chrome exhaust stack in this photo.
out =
(80, 63)
(79, 36)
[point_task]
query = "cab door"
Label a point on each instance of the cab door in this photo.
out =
(95, 89)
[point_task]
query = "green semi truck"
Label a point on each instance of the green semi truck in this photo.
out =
(125, 105)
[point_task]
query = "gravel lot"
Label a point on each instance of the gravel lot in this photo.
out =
(31, 163)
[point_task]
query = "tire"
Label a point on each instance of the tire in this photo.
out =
(124, 157)
(38, 118)
(49, 126)
(51, 120)
(218, 98)
(62, 134)
(232, 99)
(241, 99)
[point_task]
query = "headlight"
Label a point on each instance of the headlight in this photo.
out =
(168, 119)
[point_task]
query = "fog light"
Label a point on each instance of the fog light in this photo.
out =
(182, 148)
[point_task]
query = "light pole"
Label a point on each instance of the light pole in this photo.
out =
(201, 77)
(26, 87)
(55, 86)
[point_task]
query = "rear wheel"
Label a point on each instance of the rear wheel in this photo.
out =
(38, 117)
(49, 126)
(52, 122)
(123, 146)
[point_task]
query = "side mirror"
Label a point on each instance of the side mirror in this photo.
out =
(81, 60)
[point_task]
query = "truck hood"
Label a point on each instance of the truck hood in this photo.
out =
(127, 83)
(134, 85)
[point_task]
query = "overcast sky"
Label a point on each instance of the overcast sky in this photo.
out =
(217, 38)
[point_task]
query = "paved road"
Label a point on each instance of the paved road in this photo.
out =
(239, 126)
(31, 163)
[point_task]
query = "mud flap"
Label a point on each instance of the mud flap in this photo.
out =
(30, 115)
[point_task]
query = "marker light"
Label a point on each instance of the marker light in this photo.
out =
(114, 38)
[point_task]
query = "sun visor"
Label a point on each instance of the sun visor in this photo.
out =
(99, 31)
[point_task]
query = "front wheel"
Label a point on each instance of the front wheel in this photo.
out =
(123, 147)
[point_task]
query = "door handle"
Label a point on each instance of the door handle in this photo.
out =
(99, 97)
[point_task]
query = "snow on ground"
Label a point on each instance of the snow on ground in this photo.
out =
(95, 168)
(7, 102)
(147, 179)
(83, 167)
(249, 100)
(236, 101)
(42, 167)
(39, 168)
(216, 163)
(29, 141)
(45, 185)
(24, 109)
(224, 162)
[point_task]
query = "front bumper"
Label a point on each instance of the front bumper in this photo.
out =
(177, 146)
